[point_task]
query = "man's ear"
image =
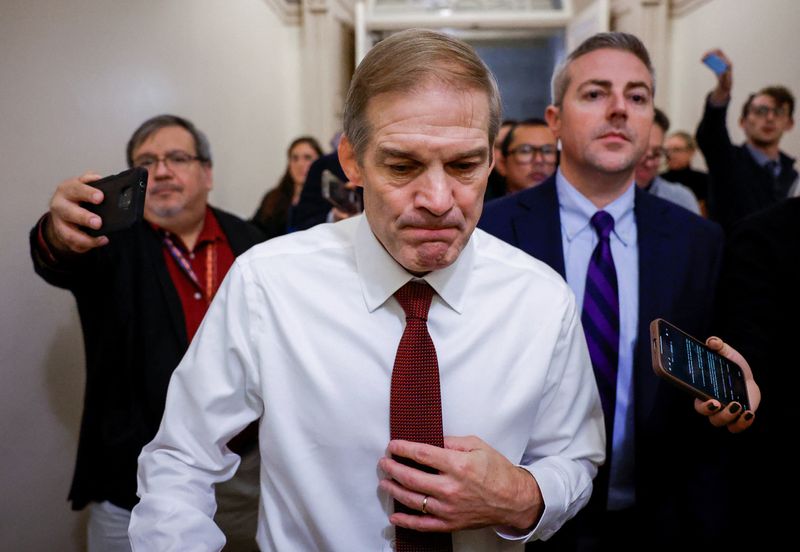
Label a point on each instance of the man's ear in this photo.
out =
(209, 176)
(500, 164)
(553, 117)
(349, 162)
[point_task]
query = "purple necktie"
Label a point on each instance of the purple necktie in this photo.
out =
(601, 316)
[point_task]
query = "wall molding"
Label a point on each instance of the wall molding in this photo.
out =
(679, 8)
(288, 11)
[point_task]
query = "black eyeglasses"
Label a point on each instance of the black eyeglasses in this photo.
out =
(765, 110)
(174, 160)
(524, 153)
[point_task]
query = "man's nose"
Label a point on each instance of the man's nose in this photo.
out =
(435, 192)
(617, 105)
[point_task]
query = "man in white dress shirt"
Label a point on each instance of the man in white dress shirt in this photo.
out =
(303, 333)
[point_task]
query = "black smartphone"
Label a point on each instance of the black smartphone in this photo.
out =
(338, 195)
(123, 201)
(688, 363)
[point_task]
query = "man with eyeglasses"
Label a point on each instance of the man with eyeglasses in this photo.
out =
(141, 295)
(646, 173)
(529, 155)
(751, 177)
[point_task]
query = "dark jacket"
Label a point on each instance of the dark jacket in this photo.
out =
(676, 453)
(738, 185)
(134, 337)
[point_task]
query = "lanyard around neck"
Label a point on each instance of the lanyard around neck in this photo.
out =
(183, 263)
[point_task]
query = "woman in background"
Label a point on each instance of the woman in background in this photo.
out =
(273, 214)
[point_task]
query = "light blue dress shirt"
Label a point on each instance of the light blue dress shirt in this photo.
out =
(579, 239)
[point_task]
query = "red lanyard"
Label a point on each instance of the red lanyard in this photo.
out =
(211, 267)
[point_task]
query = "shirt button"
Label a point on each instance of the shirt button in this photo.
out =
(191, 256)
(197, 295)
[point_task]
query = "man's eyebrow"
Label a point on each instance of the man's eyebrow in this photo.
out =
(482, 152)
(608, 84)
(385, 152)
(639, 84)
(596, 82)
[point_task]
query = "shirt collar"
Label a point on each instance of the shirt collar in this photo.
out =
(576, 211)
(381, 276)
(759, 156)
(210, 232)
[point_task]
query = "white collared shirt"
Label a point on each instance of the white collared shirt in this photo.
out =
(303, 334)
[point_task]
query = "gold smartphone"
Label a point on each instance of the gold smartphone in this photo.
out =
(689, 364)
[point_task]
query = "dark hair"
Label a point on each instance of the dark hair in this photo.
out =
(687, 138)
(532, 122)
(154, 124)
(781, 95)
(271, 215)
(660, 118)
(406, 61)
(614, 41)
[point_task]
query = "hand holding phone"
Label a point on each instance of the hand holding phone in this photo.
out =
(123, 201)
(718, 62)
(339, 194)
(694, 367)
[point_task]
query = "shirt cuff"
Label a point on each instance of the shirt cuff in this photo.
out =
(716, 105)
(45, 253)
(539, 530)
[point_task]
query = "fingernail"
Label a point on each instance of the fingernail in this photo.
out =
(94, 222)
(97, 196)
(734, 408)
(748, 416)
(712, 407)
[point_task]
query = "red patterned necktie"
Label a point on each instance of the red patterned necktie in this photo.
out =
(415, 412)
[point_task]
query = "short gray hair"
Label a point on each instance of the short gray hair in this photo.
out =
(614, 41)
(404, 62)
(154, 124)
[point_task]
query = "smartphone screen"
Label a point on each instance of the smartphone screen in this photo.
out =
(715, 63)
(691, 362)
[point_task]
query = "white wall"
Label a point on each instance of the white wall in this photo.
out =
(76, 78)
(761, 40)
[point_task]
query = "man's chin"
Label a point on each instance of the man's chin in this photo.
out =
(163, 211)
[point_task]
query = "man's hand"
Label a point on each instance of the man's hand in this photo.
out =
(721, 95)
(476, 487)
(732, 416)
(62, 230)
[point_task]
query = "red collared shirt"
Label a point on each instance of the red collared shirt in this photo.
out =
(211, 242)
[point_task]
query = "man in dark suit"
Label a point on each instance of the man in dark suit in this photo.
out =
(660, 478)
(141, 295)
(748, 178)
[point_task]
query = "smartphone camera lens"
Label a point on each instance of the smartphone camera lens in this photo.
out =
(125, 198)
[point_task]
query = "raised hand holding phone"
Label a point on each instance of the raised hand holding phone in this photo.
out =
(66, 222)
(718, 62)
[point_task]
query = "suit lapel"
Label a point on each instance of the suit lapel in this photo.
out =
(155, 256)
(537, 229)
(655, 283)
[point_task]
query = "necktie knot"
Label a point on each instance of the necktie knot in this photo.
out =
(415, 298)
(774, 168)
(603, 224)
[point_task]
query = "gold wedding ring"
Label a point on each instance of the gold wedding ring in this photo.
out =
(424, 505)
